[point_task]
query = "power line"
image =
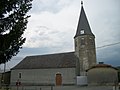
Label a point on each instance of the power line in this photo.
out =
(104, 46)
(108, 45)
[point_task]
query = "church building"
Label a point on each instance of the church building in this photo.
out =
(59, 68)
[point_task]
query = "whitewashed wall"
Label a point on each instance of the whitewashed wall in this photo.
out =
(43, 76)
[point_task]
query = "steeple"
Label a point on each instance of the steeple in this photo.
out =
(83, 27)
(84, 45)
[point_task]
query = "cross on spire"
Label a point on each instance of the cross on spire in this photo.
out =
(81, 3)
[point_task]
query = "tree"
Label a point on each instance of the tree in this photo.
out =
(13, 22)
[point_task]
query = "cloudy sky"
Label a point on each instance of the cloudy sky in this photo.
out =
(53, 24)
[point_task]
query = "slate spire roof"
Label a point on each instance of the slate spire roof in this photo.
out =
(83, 27)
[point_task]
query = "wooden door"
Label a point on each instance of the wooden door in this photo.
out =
(58, 79)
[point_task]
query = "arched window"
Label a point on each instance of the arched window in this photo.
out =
(19, 75)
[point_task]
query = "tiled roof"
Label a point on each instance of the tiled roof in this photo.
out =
(101, 66)
(61, 60)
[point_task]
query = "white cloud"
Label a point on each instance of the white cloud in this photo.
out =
(48, 29)
(50, 5)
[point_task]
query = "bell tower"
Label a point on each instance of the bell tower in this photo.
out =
(84, 44)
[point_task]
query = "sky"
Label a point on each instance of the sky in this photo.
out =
(53, 23)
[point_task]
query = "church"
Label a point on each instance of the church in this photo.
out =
(61, 68)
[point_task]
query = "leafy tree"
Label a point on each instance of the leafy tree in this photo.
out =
(13, 22)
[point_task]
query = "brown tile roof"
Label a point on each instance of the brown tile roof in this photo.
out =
(101, 66)
(61, 60)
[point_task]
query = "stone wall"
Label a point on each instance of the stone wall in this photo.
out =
(86, 52)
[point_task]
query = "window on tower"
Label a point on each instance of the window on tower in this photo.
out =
(82, 41)
(82, 31)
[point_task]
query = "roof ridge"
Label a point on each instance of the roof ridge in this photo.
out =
(50, 54)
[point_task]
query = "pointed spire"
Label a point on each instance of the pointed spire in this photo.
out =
(81, 3)
(83, 27)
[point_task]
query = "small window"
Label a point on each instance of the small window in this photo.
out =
(82, 31)
(82, 41)
(19, 75)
